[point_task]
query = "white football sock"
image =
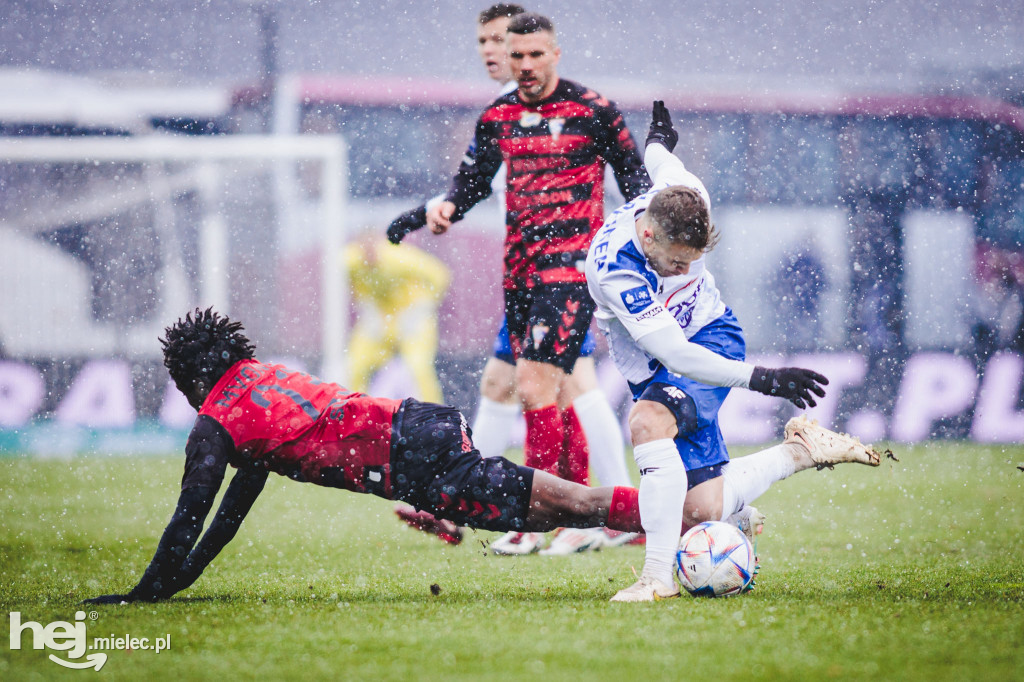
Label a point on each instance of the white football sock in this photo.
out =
(747, 478)
(604, 438)
(492, 427)
(662, 493)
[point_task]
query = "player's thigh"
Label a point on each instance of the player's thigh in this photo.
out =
(498, 381)
(650, 421)
(703, 502)
(582, 380)
(538, 383)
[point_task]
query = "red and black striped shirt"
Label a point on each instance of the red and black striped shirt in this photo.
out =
(299, 426)
(555, 154)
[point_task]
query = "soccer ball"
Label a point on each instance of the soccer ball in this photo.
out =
(714, 560)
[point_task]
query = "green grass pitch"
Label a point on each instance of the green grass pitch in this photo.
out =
(914, 570)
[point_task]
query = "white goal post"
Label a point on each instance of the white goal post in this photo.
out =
(291, 164)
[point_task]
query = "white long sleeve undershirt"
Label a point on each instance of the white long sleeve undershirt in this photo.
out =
(671, 347)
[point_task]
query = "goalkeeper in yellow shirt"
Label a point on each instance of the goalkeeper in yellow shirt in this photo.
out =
(397, 290)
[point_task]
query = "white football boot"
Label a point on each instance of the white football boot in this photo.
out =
(513, 543)
(573, 540)
(750, 521)
(618, 538)
(647, 588)
(828, 448)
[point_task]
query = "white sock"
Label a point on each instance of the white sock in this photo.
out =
(747, 478)
(662, 493)
(604, 438)
(492, 427)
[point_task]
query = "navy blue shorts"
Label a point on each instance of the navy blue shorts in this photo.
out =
(703, 447)
(435, 467)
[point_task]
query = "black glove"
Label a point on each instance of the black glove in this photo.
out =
(110, 599)
(406, 223)
(792, 383)
(661, 127)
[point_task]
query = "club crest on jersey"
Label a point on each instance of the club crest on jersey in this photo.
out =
(555, 125)
(636, 299)
(538, 332)
(528, 119)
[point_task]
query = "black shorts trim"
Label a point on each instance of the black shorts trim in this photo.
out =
(695, 477)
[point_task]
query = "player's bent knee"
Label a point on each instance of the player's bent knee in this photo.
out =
(650, 421)
(538, 383)
(675, 402)
(498, 382)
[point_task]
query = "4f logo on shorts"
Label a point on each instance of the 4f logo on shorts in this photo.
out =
(636, 299)
(674, 393)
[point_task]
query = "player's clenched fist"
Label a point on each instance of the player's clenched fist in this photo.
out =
(439, 218)
(661, 127)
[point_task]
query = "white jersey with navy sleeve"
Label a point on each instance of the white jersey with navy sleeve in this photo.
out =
(636, 306)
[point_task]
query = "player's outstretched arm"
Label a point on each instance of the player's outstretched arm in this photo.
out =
(797, 385)
(180, 535)
(471, 184)
(242, 492)
(206, 457)
(410, 221)
(661, 130)
(619, 149)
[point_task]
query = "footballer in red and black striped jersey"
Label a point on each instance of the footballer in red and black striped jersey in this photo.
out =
(566, 136)
(299, 426)
(262, 418)
(556, 138)
(555, 152)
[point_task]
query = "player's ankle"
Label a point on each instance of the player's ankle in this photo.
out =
(800, 455)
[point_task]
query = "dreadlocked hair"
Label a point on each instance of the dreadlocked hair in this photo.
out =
(203, 347)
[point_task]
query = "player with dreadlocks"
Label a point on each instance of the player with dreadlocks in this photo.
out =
(261, 417)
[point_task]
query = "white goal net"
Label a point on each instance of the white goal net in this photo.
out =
(106, 240)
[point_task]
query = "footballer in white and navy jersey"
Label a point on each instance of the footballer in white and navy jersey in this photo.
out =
(634, 302)
(681, 350)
